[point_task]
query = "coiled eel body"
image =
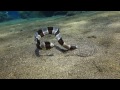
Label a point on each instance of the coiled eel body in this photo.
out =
(48, 45)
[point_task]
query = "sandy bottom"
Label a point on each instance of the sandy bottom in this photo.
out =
(97, 57)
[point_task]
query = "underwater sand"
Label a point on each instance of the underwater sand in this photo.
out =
(97, 35)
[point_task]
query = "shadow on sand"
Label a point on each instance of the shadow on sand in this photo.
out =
(37, 51)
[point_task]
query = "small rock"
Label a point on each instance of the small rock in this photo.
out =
(21, 30)
(91, 37)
